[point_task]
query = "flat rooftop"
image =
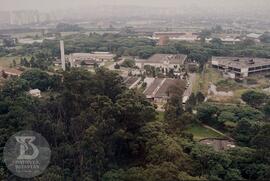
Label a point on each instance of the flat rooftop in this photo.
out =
(161, 58)
(101, 55)
(241, 62)
(175, 33)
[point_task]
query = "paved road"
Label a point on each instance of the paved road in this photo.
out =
(124, 71)
(111, 67)
(191, 80)
(217, 131)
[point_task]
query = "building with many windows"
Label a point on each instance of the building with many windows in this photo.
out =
(241, 66)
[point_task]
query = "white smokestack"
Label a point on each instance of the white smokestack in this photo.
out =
(71, 60)
(63, 61)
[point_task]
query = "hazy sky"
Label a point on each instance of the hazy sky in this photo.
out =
(46, 5)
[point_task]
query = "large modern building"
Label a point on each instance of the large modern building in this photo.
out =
(163, 61)
(241, 66)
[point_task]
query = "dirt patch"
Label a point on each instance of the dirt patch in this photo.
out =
(218, 144)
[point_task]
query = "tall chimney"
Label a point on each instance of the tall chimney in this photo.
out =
(63, 61)
(71, 60)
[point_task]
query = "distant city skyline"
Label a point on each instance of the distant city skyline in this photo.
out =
(22, 12)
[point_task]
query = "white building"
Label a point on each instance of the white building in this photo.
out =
(163, 61)
(29, 41)
(177, 36)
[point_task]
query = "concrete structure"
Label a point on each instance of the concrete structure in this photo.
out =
(230, 40)
(212, 90)
(178, 36)
(35, 93)
(10, 72)
(218, 144)
(254, 36)
(158, 90)
(163, 61)
(241, 66)
(62, 49)
(29, 41)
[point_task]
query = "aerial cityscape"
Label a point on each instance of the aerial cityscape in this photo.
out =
(125, 90)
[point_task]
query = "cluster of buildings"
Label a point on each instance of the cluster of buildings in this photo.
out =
(157, 89)
(241, 67)
(26, 17)
(163, 38)
(87, 60)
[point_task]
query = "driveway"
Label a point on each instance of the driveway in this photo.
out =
(191, 80)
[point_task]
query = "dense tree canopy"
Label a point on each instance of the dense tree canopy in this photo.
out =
(97, 129)
(255, 99)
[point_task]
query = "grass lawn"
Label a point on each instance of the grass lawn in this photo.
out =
(199, 132)
(6, 61)
(227, 85)
(203, 80)
(160, 116)
(108, 63)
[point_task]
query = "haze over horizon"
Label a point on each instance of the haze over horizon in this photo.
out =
(224, 5)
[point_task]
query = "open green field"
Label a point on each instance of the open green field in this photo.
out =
(211, 75)
(160, 116)
(28, 34)
(6, 61)
(199, 132)
(205, 78)
(108, 63)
